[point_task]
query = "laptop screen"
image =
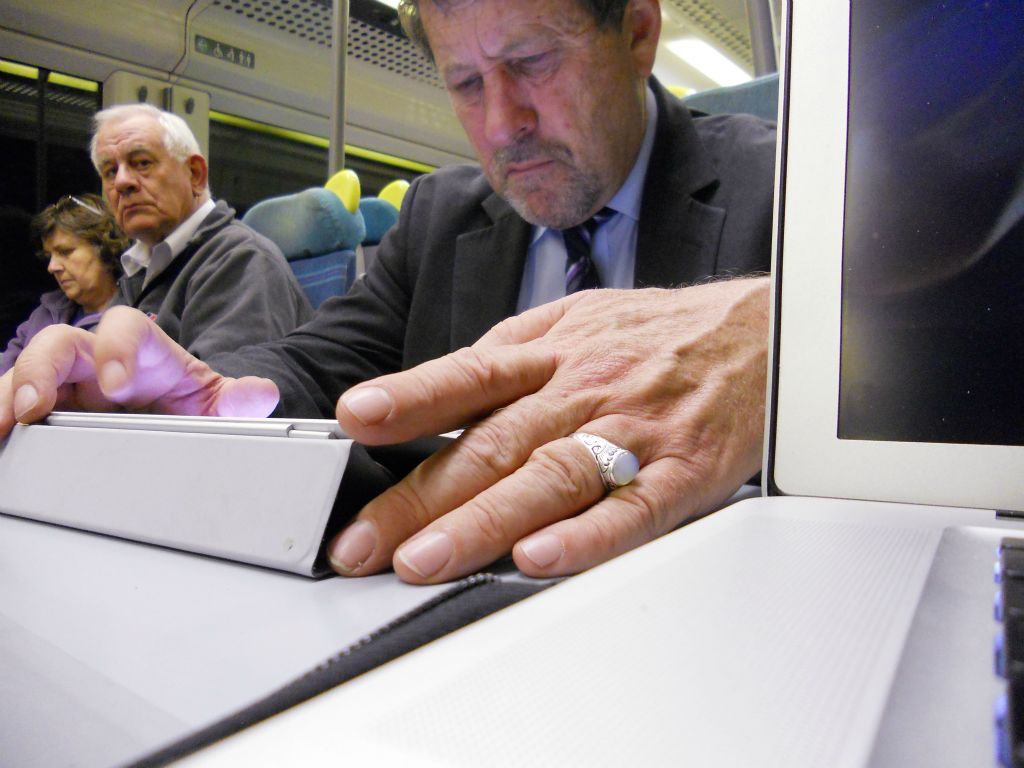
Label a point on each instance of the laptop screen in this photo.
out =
(898, 312)
(932, 346)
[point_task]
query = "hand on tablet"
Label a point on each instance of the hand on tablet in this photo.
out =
(128, 364)
(675, 376)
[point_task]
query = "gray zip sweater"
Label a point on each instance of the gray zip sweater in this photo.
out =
(229, 287)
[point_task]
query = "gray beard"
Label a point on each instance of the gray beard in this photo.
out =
(562, 208)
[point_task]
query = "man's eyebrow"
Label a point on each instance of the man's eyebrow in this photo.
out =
(457, 71)
(509, 51)
(133, 150)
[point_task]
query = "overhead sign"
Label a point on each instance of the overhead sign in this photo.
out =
(225, 52)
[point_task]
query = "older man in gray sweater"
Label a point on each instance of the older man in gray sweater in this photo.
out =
(209, 281)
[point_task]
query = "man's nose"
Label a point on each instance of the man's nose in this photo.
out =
(509, 114)
(124, 179)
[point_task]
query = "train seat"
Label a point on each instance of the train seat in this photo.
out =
(318, 236)
(759, 96)
(394, 192)
(346, 185)
(380, 216)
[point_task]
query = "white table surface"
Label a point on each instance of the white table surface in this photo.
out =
(109, 648)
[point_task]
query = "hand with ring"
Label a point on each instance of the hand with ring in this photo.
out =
(598, 422)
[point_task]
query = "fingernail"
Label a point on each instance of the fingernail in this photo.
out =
(24, 399)
(113, 376)
(543, 550)
(369, 404)
(427, 554)
(353, 547)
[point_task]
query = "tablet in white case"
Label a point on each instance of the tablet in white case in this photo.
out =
(259, 491)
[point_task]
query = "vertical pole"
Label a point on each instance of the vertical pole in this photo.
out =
(762, 40)
(41, 81)
(339, 50)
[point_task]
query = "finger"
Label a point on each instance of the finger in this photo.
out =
(57, 356)
(483, 456)
(141, 367)
(558, 479)
(661, 497)
(249, 396)
(442, 394)
(531, 324)
(136, 362)
(7, 419)
(479, 458)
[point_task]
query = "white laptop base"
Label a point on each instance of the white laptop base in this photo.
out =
(767, 634)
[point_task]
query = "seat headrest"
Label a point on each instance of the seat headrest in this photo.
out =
(379, 215)
(307, 223)
(759, 96)
(394, 192)
(345, 184)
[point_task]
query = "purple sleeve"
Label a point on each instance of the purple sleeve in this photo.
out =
(39, 319)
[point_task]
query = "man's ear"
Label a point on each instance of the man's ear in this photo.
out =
(198, 173)
(641, 23)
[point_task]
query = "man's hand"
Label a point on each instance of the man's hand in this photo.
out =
(675, 376)
(128, 364)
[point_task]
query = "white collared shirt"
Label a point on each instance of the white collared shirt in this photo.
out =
(614, 249)
(141, 256)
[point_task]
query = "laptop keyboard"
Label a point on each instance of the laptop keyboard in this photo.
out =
(1009, 653)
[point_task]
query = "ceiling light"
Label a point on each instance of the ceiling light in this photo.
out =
(708, 60)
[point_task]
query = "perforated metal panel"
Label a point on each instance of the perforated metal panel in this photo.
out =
(310, 21)
(306, 19)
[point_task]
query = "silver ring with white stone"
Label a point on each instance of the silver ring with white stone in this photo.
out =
(617, 466)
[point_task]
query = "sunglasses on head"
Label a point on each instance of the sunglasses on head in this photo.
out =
(71, 199)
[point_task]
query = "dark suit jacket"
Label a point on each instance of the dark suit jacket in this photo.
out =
(452, 266)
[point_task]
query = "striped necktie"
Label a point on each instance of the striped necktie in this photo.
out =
(580, 272)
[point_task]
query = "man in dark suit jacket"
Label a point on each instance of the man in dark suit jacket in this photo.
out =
(554, 96)
(453, 266)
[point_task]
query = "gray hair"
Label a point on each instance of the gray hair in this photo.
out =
(608, 14)
(178, 138)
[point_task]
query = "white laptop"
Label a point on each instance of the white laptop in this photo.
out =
(846, 619)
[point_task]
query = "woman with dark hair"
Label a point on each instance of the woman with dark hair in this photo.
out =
(82, 247)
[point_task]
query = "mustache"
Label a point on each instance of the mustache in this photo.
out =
(530, 149)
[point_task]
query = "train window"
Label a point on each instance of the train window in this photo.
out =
(45, 119)
(252, 161)
(248, 165)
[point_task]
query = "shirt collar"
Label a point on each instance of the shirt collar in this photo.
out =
(627, 200)
(139, 255)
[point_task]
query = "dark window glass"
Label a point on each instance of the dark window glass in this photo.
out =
(247, 166)
(44, 159)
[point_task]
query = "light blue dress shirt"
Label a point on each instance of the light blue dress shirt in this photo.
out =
(614, 250)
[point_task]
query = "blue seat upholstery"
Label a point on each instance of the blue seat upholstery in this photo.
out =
(322, 277)
(317, 235)
(759, 96)
(380, 216)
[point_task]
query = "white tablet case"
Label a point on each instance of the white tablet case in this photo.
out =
(259, 491)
